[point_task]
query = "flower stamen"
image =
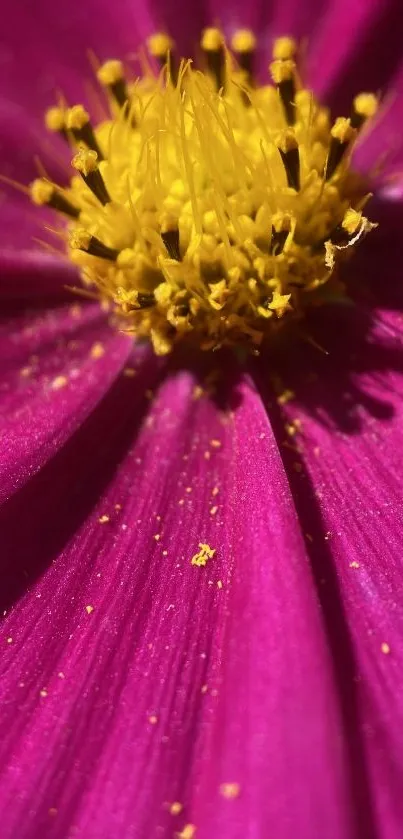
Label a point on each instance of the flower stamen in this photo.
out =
(206, 209)
(78, 122)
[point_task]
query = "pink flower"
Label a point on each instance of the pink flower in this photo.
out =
(256, 691)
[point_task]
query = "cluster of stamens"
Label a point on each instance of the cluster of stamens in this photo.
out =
(205, 208)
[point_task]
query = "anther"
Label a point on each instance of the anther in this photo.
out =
(284, 49)
(45, 193)
(111, 75)
(161, 47)
(82, 240)
(365, 106)
(170, 239)
(55, 121)
(86, 163)
(283, 75)
(288, 148)
(281, 225)
(342, 135)
(244, 46)
(78, 122)
(212, 44)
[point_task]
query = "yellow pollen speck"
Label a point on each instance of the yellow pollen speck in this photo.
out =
(89, 609)
(219, 584)
(215, 491)
(285, 396)
(205, 209)
(103, 519)
(9, 640)
(215, 443)
(153, 719)
(230, 790)
(157, 537)
(198, 392)
(59, 382)
(354, 564)
(188, 832)
(385, 648)
(176, 808)
(97, 350)
(188, 489)
(43, 692)
(213, 511)
(204, 554)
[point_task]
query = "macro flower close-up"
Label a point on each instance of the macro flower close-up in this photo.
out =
(201, 391)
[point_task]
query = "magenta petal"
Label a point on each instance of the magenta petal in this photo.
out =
(151, 680)
(347, 490)
(50, 382)
(355, 46)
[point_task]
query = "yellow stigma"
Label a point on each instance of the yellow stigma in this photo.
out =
(206, 210)
(243, 41)
(110, 72)
(159, 44)
(85, 161)
(55, 119)
(212, 40)
(284, 48)
(41, 191)
(77, 117)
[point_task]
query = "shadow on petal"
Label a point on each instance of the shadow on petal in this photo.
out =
(73, 480)
(333, 611)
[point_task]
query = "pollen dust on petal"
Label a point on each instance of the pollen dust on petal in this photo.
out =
(202, 557)
(59, 382)
(230, 790)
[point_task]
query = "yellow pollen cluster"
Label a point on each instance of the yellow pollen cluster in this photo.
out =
(207, 209)
(203, 555)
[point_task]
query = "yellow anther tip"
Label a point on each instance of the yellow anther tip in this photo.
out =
(55, 119)
(351, 221)
(110, 72)
(284, 48)
(243, 41)
(77, 117)
(282, 71)
(342, 130)
(85, 161)
(159, 44)
(41, 191)
(212, 40)
(366, 104)
(286, 141)
(80, 239)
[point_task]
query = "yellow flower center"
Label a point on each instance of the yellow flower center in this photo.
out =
(207, 209)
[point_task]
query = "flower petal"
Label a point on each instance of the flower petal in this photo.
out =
(153, 680)
(51, 378)
(347, 489)
(355, 47)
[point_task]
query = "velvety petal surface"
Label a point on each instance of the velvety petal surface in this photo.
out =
(55, 365)
(354, 47)
(133, 679)
(341, 439)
